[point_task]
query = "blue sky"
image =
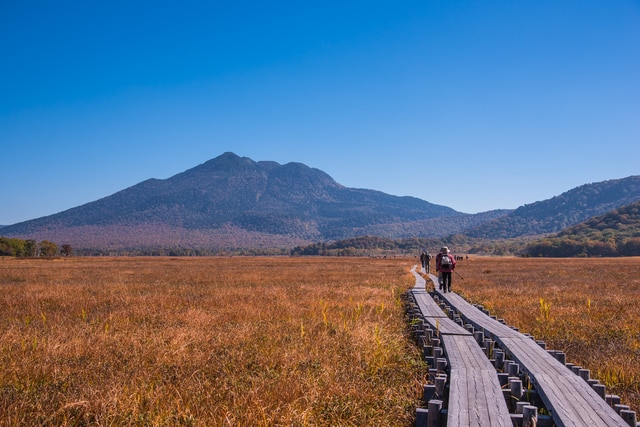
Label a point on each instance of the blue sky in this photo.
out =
(476, 105)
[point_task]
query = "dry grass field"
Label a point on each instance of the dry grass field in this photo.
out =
(589, 308)
(206, 342)
(275, 341)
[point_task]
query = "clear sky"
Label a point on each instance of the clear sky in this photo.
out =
(475, 105)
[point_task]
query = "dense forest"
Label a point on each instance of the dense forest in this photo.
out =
(614, 234)
(31, 248)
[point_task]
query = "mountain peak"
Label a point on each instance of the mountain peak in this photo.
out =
(226, 165)
(229, 161)
(232, 201)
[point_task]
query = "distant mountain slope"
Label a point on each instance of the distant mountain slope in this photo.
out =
(432, 227)
(616, 233)
(232, 201)
(560, 212)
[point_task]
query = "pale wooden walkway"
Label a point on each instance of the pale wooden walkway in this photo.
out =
(475, 396)
(571, 400)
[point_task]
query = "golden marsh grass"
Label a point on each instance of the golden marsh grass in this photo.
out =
(206, 341)
(275, 341)
(589, 308)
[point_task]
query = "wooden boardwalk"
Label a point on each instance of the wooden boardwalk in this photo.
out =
(475, 396)
(570, 398)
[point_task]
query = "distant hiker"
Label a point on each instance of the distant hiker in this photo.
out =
(445, 264)
(428, 262)
(423, 259)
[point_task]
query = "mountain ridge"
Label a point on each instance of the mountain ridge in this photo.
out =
(231, 202)
(561, 211)
(616, 233)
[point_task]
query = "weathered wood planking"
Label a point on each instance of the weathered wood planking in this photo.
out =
(571, 400)
(428, 306)
(556, 383)
(475, 395)
(434, 315)
(478, 319)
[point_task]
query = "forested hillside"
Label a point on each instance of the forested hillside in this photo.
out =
(614, 234)
(562, 211)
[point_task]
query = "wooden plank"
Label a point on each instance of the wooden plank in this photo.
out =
(436, 318)
(473, 405)
(495, 404)
(478, 319)
(458, 410)
(428, 306)
(432, 312)
(464, 353)
(475, 395)
(570, 399)
(560, 389)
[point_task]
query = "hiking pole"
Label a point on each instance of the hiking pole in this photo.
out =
(458, 274)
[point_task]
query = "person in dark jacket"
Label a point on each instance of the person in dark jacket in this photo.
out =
(445, 264)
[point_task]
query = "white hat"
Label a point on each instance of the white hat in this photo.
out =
(444, 250)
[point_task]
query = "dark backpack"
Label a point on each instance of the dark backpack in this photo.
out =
(445, 261)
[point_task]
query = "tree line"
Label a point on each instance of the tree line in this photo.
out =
(30, 248)
(571, 247)
(368, 245)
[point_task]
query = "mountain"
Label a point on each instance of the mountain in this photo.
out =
(616, 233)
(235, 202)
(560, 212)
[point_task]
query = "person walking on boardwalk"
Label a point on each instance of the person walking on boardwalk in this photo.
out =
(445, 264)
(428, 262)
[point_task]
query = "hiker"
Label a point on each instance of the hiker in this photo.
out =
(428, 262)
(445, 264)
(423, 259)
